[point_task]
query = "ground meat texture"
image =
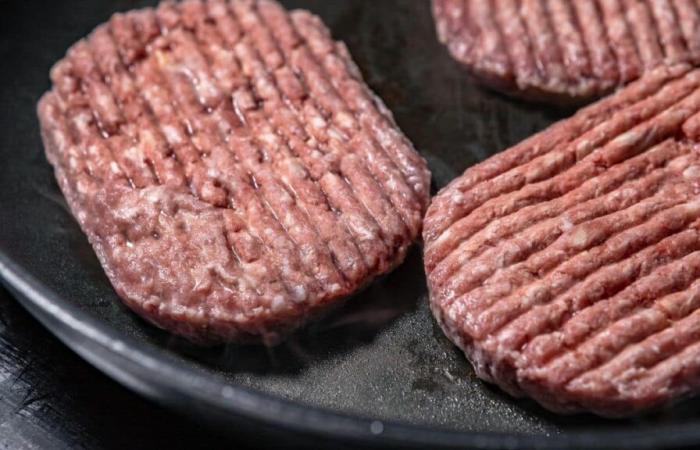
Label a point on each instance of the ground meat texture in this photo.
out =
(567, 52)
(229, 166)
(566, 267)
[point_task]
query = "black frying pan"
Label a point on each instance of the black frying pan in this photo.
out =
(376, 372)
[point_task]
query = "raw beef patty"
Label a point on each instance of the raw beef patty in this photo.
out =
(231, 169)
(567, 50)
(568, 267)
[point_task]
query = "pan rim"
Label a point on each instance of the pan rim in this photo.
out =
(153, 372)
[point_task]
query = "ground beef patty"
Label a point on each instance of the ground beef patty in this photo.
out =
(568, 267)
(567, 51)
(231, 169)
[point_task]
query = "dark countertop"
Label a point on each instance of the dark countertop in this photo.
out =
(51, 399)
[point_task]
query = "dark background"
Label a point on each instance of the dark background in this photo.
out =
(52, 399)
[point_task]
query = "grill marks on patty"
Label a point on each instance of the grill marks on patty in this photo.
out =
(555, 264)
(254, 118)
(572, 50)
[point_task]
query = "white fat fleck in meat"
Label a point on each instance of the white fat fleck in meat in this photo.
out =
(492, 231)
(289, 221)
(156, 195)
(692, 173)
(134, 153)
(580, 238)
(59, 139)
(365, 233)
(345, 120)
(172, 134)
(299, 293)
(73, 163)
(318, 122)
(417, 183)
(296, 169)
(82, 122)
(459, 48)
(560, 282)
(582, 148)
(625, 193)
(457, 197)
(334, 133)
(627, 138)
(566, 224)
(127, 212)
(270, 138)
(444, 237)
(278, 304)
(455, 310)
(104, 101)
(82, 187)
(679, 164)
(207, 88)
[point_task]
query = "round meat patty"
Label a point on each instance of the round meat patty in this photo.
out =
(568, 267)
(229, 166)
(567, 51)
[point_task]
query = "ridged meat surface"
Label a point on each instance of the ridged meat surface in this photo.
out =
(230, 167)
(568, 267)
(567, 50)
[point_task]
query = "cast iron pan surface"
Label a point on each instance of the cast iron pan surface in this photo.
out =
(378, 371)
